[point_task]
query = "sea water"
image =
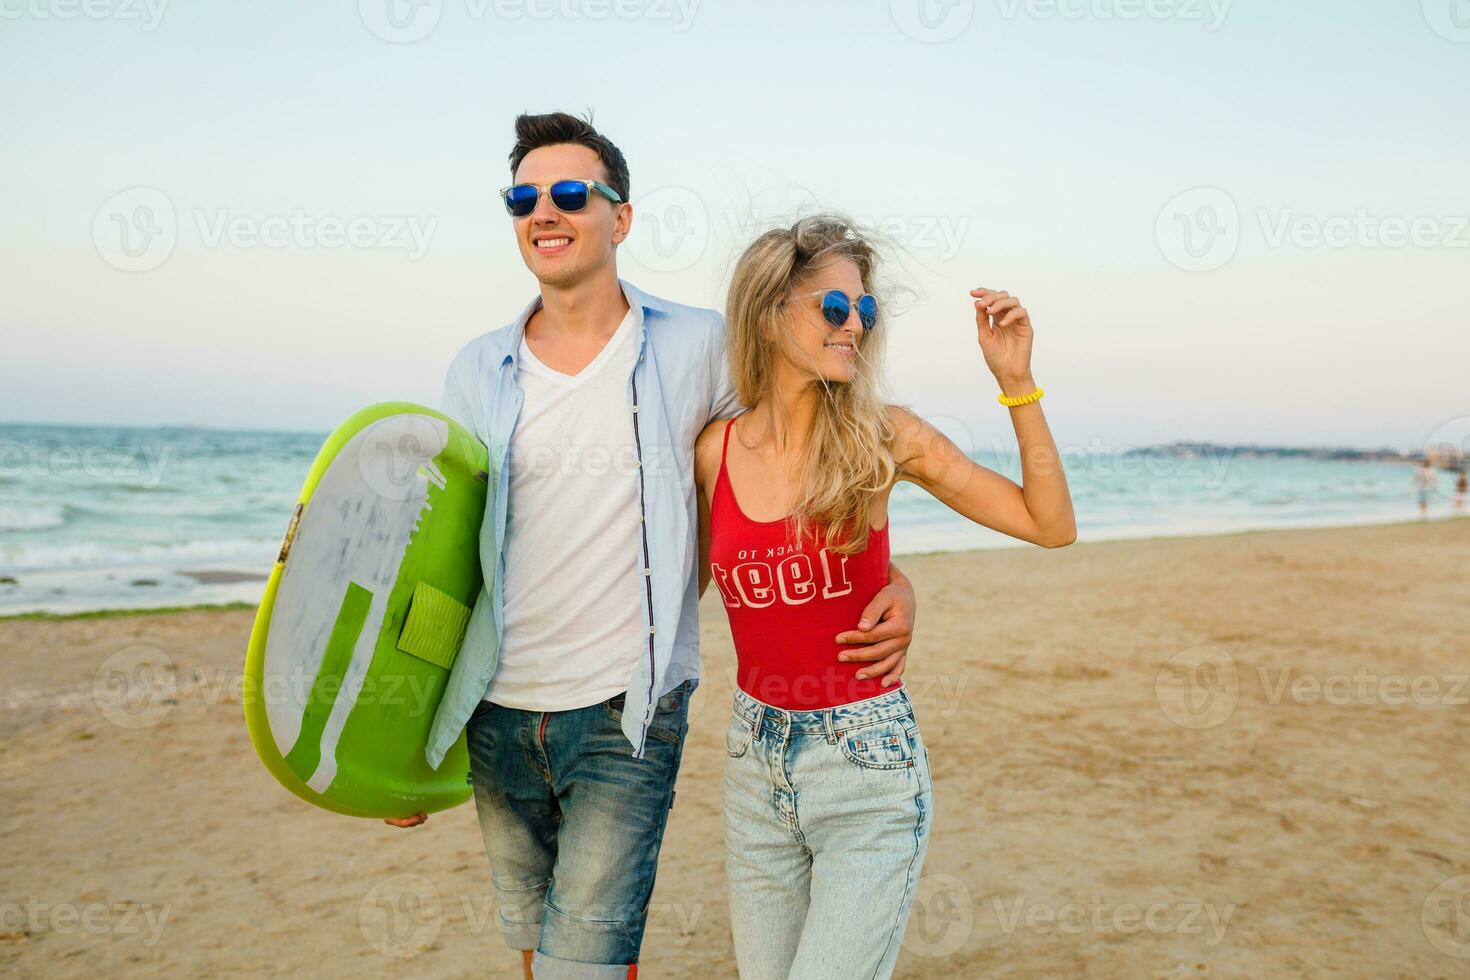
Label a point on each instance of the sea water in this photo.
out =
(101, 518)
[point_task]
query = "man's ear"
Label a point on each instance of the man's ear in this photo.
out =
(623, 219)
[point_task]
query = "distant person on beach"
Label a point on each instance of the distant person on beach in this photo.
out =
(1462, 489)
(573, 684)
(1426, 480)
(828, 796)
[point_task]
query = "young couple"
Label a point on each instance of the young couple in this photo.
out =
(639, 450)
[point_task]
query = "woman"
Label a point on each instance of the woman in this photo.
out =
(828, 800)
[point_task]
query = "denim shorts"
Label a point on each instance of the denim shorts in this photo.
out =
(827, 818)
(572, 825)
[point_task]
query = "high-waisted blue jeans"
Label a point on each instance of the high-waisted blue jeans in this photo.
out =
(827, 817)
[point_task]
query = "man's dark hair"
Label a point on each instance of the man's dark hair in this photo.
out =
(551, 128)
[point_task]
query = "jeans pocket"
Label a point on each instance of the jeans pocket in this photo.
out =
(738, 737)
(670, 712)
(881, 745)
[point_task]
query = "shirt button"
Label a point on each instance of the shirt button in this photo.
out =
(635, 409)
(650, 630)
(648, 571)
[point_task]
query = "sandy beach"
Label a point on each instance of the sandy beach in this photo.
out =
(1233, 756)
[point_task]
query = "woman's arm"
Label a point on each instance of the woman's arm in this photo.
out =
(706, 469)
(1039, 510)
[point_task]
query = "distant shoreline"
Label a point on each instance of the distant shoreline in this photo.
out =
(1176, 448)
(1452, 458)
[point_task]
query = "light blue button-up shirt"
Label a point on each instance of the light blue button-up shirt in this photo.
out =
(679, 383)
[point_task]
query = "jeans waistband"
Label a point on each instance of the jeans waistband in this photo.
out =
(821, 721)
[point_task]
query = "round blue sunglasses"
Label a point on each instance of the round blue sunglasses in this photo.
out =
(837, 307)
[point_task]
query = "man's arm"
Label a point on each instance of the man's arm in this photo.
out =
(887, 626)
(455, 402)
(724, 403)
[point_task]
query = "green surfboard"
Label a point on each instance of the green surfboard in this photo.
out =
(364, 614)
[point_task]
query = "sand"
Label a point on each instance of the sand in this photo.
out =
(1307, 813)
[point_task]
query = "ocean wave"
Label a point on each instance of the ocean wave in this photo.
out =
(38, 517)
(92, 554)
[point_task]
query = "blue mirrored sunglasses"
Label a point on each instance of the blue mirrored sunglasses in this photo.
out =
(567, 195)
(837, 307)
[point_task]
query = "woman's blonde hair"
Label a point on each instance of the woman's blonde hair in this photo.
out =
(847, 459)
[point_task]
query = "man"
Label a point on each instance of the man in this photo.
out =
(573, 683)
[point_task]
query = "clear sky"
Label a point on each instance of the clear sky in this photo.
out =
(1231, 221)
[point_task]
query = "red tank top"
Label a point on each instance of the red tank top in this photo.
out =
(787, 603)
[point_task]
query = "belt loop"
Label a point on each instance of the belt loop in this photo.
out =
(828, 727)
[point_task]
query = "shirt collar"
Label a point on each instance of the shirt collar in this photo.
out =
(639, 302)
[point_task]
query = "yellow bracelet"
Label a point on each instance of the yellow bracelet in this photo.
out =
(1011, 402)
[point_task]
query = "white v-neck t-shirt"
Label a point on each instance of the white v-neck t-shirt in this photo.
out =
(573, 584)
